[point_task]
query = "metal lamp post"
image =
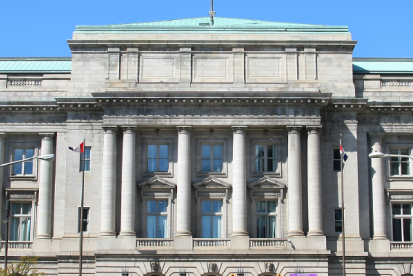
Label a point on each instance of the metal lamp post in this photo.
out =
(383, 155)
(6, 221)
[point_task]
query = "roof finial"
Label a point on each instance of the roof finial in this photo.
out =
(212, 13)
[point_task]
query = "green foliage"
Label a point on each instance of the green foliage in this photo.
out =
(25, 267)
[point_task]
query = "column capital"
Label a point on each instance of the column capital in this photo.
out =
(184, 129)
(239, 129)
(3, 135)
(110, 129)
(47, 136)
(294, 129)
(129, 129)
(313, 129)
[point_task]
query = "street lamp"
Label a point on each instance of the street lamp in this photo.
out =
(45, 157)
(383, 155)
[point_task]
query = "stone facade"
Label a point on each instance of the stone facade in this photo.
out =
(211, 150)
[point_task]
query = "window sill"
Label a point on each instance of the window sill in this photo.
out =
(400, 178)
(218, 174)
(23, 177)
(152, 174)
(262, 174)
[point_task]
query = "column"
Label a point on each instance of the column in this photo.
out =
(239, 187)
(107, 220)
(44, 207)
(127, 217)
(295, 216)
(184, 182)
(379, 204)
(315, 222)
(2, 154)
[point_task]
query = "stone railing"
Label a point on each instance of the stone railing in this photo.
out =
(152, 243)
(399, 83)
(408, 246)
(273, 243)
(205, 243)
(17, 245)
(23, 82)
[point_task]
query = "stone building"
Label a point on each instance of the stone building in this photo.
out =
(211, 148)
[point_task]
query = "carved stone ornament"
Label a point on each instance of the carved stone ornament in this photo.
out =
(267, 187)
(155, 267)
(157, 182)
(211, 182)
(212, 268)
(269, 267)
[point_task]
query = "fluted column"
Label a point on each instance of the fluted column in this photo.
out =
(239, 186)
(379, 203)
(295, 216)
(184, 182)
(127, 217)
(44, 208)
(107, 220)
(315, 222)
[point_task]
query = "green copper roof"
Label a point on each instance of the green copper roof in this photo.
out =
(202, 25)
(35, 65)
(383, 65)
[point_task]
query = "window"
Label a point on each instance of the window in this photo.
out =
(402, 222)
(265, 158)
(26, 167)
(211, 218)
(338, 220)
(87, 160)
(336, 160)
(211, 158)
(266, 219)
(398, 165)
(21, 218)
(158, 158)
(85, 220)
(156, 218)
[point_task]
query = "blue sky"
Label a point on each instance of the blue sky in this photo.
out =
(40, 28)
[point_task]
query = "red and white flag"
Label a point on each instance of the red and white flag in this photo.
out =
(79, 148)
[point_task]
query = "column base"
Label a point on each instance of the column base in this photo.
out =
(127, 234)
(183, 233)
(42, 245)
(239, 233)
(107, 233)
(183, 242)
(380, 237)
(295, 233)
(382, 246)
(240, 242)
(40, 237)
(126, 243)
(315, 233)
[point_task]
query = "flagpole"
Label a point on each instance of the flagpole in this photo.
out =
(342, 210)
(81, 211)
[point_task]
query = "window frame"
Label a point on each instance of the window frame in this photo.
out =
(212, 142)
(168, 215)
(277, 142)
(32, 217)
(87, 220)
(87, 160)
(398, 146)
(401, 217)
(211, 215)
(23, 145)
(157, 141)
(267, 214)
(336, 220)
(336, 160)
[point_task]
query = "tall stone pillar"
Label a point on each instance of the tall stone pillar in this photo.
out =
(184, 182)
(379, 203)
(239, 187)
(315, 222)
(44, 208)
(107, 220)
(128, 196)
(2, 154)
(295, 216)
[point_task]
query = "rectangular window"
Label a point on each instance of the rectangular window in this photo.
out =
(211, 218)
(158, 158)
(211, 158)
(336, 160)
(21, 221)
(402, 222)
(266, 219)
(85, 220)
(398, 165)
(26, 167)
(338, 220)
(87, 160)
(156, 219)
(265, 158)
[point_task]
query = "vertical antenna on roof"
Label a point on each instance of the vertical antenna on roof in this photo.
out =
(212, 13)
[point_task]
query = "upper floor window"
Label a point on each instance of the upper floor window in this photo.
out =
(336, 160)
(157, 219)
(87, 159)
(402, 222)
(26, 167)
(266, 218)
(85, 220)
(21, 222)
(338, 220)
(158, 158)
(211, 218)
(399, 165)
(211, 158)
(265, 158)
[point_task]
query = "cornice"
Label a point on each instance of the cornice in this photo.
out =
(29, 107)
(78, 104)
